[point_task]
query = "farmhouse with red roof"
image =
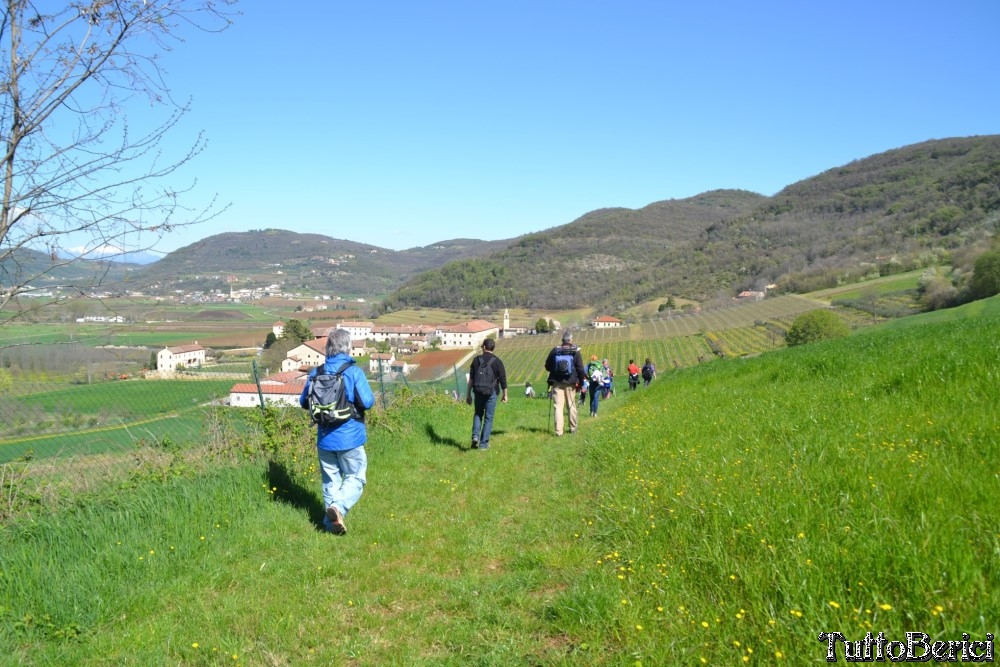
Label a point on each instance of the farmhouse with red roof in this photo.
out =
(606, 322)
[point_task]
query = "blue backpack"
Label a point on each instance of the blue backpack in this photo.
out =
(563, 368)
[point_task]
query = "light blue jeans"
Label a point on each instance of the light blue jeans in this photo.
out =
(343, 478)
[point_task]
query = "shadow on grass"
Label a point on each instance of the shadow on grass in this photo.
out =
(436, 439)
(292, 493)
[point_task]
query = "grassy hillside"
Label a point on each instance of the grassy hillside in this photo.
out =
(728, 514)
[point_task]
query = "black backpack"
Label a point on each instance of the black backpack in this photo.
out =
(647, 372)
(562, 368)
(485, 380)
(328, 402)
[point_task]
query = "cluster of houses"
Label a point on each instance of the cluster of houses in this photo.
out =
(403, 340)
(406, 339)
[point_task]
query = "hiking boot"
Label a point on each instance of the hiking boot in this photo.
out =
(337, 526)
(484, 446)
(475, 443)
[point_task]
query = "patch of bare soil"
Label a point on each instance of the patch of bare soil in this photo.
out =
(434, 364)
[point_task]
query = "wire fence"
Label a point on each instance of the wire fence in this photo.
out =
(84, 421)
(116, 409)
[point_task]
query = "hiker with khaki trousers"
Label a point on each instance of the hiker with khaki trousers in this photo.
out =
(565, 367)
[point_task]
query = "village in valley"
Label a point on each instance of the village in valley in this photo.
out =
(409, 346)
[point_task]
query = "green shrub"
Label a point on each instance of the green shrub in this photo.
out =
(986, 276)
(815, 325)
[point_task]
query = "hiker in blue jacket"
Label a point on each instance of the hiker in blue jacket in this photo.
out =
(342, 459)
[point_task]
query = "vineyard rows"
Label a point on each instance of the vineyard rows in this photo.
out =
(673, 342)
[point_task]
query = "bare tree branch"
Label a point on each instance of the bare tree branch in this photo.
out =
(73, 167)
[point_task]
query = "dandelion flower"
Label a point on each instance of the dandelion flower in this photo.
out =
(835, 605)
(885, 607)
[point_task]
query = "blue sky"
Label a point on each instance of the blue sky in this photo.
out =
(400, 124)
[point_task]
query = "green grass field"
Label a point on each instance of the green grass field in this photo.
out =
(726, 515)
(104, 417)
(898, 282)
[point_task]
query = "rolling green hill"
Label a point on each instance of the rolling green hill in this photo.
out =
(309, 262)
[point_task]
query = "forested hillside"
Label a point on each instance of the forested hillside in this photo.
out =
(606, 254)
(914, 206)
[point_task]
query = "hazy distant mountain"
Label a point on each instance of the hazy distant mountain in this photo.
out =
(142, 258)
(23, 263)
(111, 254)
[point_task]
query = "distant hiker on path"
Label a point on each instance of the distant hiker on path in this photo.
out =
(648, 372)
(487, 381)
(633, 375)
(595, 374)
(529, 391)
(565, 367)
(609, 374)
(343, 462)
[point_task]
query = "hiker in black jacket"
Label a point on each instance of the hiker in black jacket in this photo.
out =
(487, 381)
(565, 367)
